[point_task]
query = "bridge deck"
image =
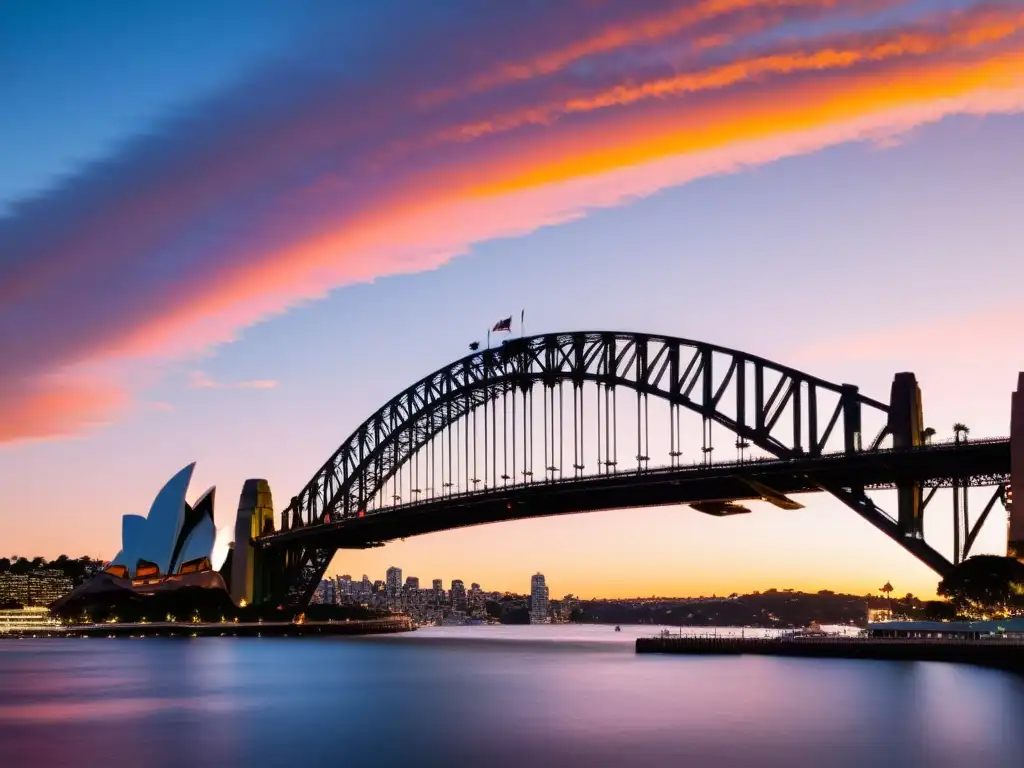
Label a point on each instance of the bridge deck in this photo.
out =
(977, 463)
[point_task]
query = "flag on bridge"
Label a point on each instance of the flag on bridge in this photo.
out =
(503, 325)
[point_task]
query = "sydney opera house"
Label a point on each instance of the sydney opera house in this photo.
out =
(178, 545)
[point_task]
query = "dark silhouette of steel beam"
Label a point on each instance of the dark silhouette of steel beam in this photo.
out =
(772, 496)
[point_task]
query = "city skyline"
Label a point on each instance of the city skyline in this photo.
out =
(837, 189)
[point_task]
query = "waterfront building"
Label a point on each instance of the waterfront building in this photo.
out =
(174, 538)
(878, 615)
(454, 619)
(39, 587)
(538, 599)
(26, 619)
(177, 545)
(961, 630)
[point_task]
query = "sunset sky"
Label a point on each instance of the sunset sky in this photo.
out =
(230, 231)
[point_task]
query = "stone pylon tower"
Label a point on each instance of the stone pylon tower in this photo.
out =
(1015, 532)
(255, 516)
(906, 423)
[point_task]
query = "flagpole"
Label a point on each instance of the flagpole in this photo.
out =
(522, 324)
(488, 338)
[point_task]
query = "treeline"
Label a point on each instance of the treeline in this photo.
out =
(782, 609)
(76, 569)
(510, 609)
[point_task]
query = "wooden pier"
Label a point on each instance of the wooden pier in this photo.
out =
(1005, 654)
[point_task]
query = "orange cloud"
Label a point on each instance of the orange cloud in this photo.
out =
(978, 30)
(817, 103)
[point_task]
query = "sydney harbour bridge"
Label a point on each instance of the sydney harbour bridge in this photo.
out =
(576, 422)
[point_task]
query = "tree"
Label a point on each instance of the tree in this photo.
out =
(886, 589)
(960, 432)
(741, 447)
(927, 434)
(938, 610)
(985, 584)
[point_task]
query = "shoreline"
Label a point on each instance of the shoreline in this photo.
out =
(223, 629)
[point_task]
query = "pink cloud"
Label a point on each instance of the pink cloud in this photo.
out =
(57, 406)
(199, 380)
(978, 337)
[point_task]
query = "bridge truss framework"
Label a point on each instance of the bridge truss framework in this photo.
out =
(789, 416)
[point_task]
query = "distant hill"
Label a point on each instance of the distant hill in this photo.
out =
(783, 609)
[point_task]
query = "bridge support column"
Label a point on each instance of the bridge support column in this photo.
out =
(249, 575)
(852, 441)
(1015, 532)
(906, 424)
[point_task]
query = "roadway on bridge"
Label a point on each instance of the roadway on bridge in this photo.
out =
(977, 463)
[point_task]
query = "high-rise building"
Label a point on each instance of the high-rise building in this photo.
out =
(458, 595)
(365, 589)
(538, 599)
(476, 599)
(411, 583)
(326, 593)
(39, 587)
(345, 588)
(394, 582)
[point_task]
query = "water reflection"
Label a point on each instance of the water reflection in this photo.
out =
(488, 696)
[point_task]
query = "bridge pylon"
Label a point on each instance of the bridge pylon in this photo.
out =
(249, 571)
(906, 425)
(1015, 528)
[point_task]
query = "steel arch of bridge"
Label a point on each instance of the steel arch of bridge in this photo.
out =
(690, 374)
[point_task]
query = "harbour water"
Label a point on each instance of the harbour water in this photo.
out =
(488, 696)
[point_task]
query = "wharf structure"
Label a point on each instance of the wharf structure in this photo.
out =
(998, 644)
(29, 619)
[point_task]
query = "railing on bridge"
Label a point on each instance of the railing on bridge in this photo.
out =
(750, 466)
